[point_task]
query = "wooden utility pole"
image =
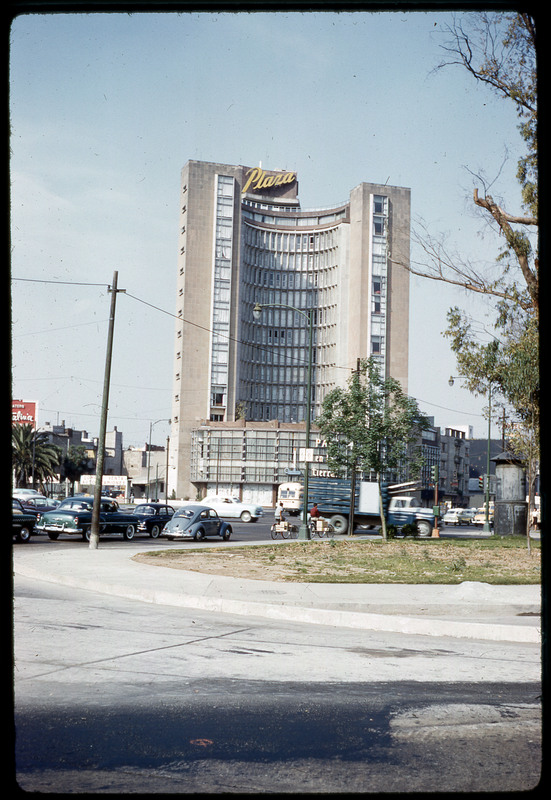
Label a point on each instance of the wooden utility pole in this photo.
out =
(353, 477)
(94, 532)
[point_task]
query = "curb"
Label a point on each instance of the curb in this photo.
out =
(425, 626)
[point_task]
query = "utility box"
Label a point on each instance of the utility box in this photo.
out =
(511, 508)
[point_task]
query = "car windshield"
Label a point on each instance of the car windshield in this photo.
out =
(149, 510)
(185, 512)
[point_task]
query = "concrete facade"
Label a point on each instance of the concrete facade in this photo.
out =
(244, 239)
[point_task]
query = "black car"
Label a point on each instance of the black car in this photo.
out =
(22, 522)
(39, 505)
(152, 517)
(74, 516)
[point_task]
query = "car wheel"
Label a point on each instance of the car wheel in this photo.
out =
(155, 531)
(246, 516)
(24, 535)
(86, 534)
(424, 528)
(53, 536)
(226, 535)
(199, 535)
(129, 532)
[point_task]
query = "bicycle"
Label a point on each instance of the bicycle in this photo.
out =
(320, 527)
(286, 529)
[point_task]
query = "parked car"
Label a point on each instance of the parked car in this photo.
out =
(152, 517)
(23, 494)
(74, 516)
(38, 505)
(451, 517)
(480, 517)
(233, 508)
(196, 522)
(466, 516)
(23, 523)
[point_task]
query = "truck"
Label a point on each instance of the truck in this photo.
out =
(333, 498)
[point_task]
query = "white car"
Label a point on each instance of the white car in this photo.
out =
(451, 517)
(233, 508)
(23, 494)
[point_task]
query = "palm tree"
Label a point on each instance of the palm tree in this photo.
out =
(33, 455)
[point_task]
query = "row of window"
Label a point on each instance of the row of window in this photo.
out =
(280, 242)
(290, 261)
(294, 222)
(222, 283)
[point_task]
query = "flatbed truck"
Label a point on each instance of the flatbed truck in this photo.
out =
(332, 496)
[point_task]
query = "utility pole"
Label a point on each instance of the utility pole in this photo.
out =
(435, 475)
(353, 476)
(94, 532)
(166, 470)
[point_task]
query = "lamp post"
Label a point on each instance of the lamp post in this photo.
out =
(486, 527)
(151, 424)
(304, 532)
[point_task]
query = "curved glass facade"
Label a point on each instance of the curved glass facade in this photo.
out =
(293, 268)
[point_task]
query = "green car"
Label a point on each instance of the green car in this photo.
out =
(74, 516)
(23, 523)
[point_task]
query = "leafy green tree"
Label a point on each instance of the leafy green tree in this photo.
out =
(498, 49)
(32, 453)
(75, 464)
(508, 366)
(371, 426)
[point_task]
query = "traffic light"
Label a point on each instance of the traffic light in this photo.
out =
(385, 498)
(481, 482)
(434, 474)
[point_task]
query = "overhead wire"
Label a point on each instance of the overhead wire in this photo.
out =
(222, 335)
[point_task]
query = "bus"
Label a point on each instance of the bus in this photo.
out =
(292, 497)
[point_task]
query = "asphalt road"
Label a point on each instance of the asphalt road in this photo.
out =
(245, 533)
(117, 696)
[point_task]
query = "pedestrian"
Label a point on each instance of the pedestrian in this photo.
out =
(279, 513)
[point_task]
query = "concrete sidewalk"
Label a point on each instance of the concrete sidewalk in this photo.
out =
(468, 610)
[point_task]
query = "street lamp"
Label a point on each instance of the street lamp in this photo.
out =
(486, 527)
(304, 532)
(151, 424)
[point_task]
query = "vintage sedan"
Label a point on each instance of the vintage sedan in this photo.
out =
(196, 522)
(23, 522)
(152, 517)
(22, 494)
(233, 508)
(451, 517)
(466, 516)
(74, 516)
(480, 517)
(38, 505)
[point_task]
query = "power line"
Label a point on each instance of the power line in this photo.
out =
(209, 330)
(68, 283)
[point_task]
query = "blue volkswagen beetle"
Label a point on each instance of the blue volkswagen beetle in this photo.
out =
(196, 522)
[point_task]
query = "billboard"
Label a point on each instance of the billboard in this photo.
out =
(24, 412)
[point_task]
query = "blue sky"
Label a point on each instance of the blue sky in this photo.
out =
(107, 108)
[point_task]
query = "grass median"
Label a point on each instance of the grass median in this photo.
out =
(493, 560)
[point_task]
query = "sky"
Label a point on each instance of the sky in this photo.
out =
(105, 110)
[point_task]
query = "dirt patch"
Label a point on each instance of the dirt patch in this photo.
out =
(349, 561)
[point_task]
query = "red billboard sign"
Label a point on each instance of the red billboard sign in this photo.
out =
(23, 412)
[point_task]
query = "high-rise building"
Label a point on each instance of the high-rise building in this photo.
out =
(244, 239)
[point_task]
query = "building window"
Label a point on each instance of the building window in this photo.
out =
(378, 226)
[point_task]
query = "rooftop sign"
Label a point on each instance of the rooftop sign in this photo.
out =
(258, 179)
(23, 412)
